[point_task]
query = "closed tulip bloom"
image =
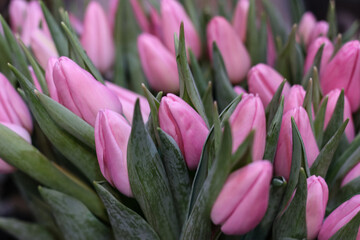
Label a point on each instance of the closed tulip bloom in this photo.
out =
(128, 100)
(333, 96)
(264, 80)
(294, 98)
(271, 49)
(49, 78)
(80, 92)
(12, 108)
(158, 63)
(185, 125)
(283, 155)
(313, 49)
(236, 58)
(317, 198)
(97, 38)
(43, 47)
(321, 28)
(239, 90)
(112, 133)
(34, 78)
(249, 115)
(306, 26)
(172, 14)
(240, 18)
(351, 175)
(17, 12)
(244, 198)
(140, 15)
(339, 218)
(343, 72)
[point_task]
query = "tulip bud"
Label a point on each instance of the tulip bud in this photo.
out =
(158, 63)
(43, 47)
(4, 166)
(140, 16)
(97, 38)
(244, 198)
(112, 9)
(340, 217)
(79, 91)
(240, 18)
(112, 133)
(34, 78)
(317, 197)
(17, 12)
(294, 98)
(351, 175)
(128, 100)
(283, 155)
(271, 49)
(239, 90)
(12, 107)
(156, 27)
(343, 72)
(185, 125)
(306, 26)
(264, 80)
(333, 97)
(321, 28)
(49, 78)
(313, 49)
(236, 58)
(172, 14)
(249, 115)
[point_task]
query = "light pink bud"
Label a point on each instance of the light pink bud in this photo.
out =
(185, 125)
(317, 198)
(244, 198)
(156, 27)
(43, 47)
(313, 49)
(306, 26)
(97, 38)
(321, 29)
(49, 78)
(294, 98)
(12, 108)
(343, 72)
(351, 175)
(128, 100)
(340, 217)
(236, 58)
(283, 155)
(172, 14)
(80, 92)
(240, 18)
(112, 133)
(264, 80)
(158, 63)
(333, 96)
(17, 12)
(239, 90)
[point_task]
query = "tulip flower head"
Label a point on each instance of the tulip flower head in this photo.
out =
(351, 175)
(43, 47)
(240, 18)
(313, 49)
(306, 26)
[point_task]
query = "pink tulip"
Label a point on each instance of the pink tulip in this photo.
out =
(351, 175)
(49, 78)
(249, 115)
(239, 90)
(12, 108)
(264, 80)
(79, 91)
(77, 24)
(4, 166)
(156, 27)
(343, 72)
(340, 217)
(140, 15)
(184, 124)
(294, 98)
(97, 38)
(112, 9)
(283, 155)
(330, 107)
(240, 18)
(172, 14)
(34, 78)
(43, 47)
(17, 12)
(128, 99)
(271, 49)
(306, 26)
(317, 197)
(112, 133)
(313, 49)
(158, 63)
(236, 58)
(321, 28)
(244, 198)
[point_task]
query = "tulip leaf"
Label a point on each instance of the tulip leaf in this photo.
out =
(243, 155)
(346, 192)
(227, 112)
(126, 223)
(120, 59)
(297, 10)
(73, 217)
(217, 129)
(208, 100)
(23, 230)
(351, 31)
(5, 59)
(337, 45)
(349, 231)
(199, 78)
(292, 223)
(317, 93)
(148, 180)
(224, 92)
(316, 63)
(323, 160)
(273, 132)
(307, 104)
(274, 104)
(177, 173)
(154, 107)
(331, 19)
(61, 43)
(319, 122)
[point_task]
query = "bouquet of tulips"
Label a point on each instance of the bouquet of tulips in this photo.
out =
(180, 119)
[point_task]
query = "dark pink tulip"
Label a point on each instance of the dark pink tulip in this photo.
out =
(249, 115)
(43, 47)
(17, 12)
(50, 80)
(244, 198)
(240, 18)
(185, 125)
(283, 155)
(236, 58)
(351, 175)
(306, 26)
(140, 15)
(80, 92)
(313, 49)
(321, 28)
(112, 132)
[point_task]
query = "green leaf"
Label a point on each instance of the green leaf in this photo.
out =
(317, 92)
(307, 104)
(316, 63)
(5, 59)
(217, 130)
(73, 217)
(191, 10)
(226, 113)
(126, 223)
(351, 31)
(331, 19)
(337, 45)
(349, 231)
(23, 230)
(345, 193)
(274, 104)
(148, 180)
(120, 57)
(297, 10)
(319, 122)
(154, 107)
(208, 100)
(199, 78)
